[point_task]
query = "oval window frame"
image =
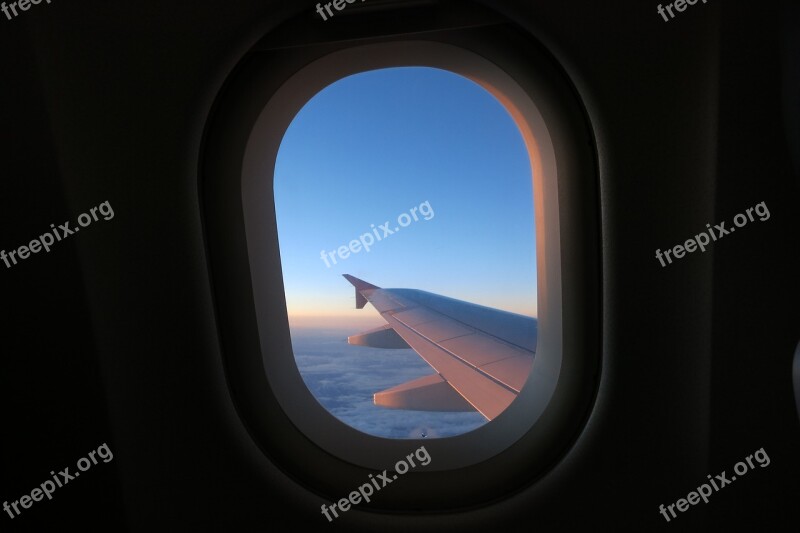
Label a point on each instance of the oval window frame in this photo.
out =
(260, 157)
(326, 455)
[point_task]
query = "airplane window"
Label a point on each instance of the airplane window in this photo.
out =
(405, 213)
(386, 224)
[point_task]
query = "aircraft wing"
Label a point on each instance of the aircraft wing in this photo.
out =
(482, 356)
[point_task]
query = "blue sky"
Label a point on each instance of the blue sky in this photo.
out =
(372, 146)
(361, 153)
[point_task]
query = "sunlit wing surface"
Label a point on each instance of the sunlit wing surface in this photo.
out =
(482, 356)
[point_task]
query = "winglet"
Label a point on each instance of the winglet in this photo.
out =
(360, 285)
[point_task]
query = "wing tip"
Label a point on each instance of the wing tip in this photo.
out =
(359, 284)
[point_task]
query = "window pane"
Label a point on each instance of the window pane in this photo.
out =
(404, 177)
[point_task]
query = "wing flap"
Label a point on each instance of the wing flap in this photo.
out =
(483, 349)
(381, 337)
(441, 329)
(513, 372)
(428, 393)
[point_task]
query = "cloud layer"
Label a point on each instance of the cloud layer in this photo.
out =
(343, 378)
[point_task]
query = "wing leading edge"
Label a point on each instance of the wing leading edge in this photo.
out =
(482, 356)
